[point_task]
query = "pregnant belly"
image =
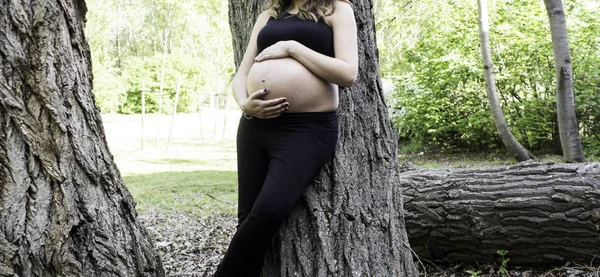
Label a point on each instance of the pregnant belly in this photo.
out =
(288, 78)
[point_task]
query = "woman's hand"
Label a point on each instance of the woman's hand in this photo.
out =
(276, 51)
(264, 109)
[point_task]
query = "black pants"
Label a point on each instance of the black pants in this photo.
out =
(277, 159)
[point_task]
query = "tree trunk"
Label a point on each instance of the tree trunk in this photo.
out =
(506, 135)
(565, 100)
(350, 221)
(64, 210)
(542, 213)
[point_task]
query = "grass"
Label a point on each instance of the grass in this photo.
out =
(195, 175)
(198, 178)
(458, 158)
(200, 192)
(198, 175)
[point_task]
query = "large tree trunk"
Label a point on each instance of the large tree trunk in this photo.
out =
(542, 213)
(64, 210)
(350, 221)
(506, 135)
(565, 101)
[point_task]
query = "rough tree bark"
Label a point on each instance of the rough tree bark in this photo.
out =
(64, 210)
(568, 128)
(350, 221)
(506, 135)
(542, 213)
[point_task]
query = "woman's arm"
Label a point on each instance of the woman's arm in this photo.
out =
(253, 105)
(342, 69)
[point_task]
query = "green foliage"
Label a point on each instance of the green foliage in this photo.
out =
(146, 73)
(505, 260)
(108, 88)
(430, 49)
(131, 40)
(473, 273)
(410, 147)
(586, 56)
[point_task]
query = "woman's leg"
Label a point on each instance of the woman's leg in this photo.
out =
(252, 165)
(296, 158)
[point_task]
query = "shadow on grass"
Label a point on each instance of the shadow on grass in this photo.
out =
(198, 192)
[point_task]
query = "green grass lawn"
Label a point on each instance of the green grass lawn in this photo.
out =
(198, 178)
(195, 173)
(200, 192)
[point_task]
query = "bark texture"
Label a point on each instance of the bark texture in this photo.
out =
(568, 128)
(508, 139)
(542, 213)
(350, 221)
(64, 209)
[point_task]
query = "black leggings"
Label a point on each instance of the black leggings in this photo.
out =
(277, 159)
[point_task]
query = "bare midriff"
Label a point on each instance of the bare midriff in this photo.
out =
(304, 91)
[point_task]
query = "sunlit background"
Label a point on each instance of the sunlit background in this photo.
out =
(163, 69)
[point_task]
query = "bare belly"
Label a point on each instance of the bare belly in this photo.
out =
(288, 78)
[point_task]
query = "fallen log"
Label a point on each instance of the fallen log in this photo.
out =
(542, 213)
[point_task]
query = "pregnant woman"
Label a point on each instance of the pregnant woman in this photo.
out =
(299, 52)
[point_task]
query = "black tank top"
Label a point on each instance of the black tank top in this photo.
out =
(317, 36)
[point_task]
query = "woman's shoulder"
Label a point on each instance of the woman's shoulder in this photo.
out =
(263, 18)
(341, 9)
(268, 13)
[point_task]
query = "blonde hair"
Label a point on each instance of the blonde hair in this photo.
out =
(312, 9)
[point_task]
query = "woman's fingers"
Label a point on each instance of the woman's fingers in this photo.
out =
(275, 113)
(265, 109)
(273, 102)
(258, 94)
(261, 56)
(277, 108)
(273, 110)
(276, 51)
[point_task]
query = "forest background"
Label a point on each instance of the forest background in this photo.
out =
(429, 59)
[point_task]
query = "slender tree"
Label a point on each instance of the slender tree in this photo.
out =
(64, 209)
(350, 221)
(568, 128)
(506, 135)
